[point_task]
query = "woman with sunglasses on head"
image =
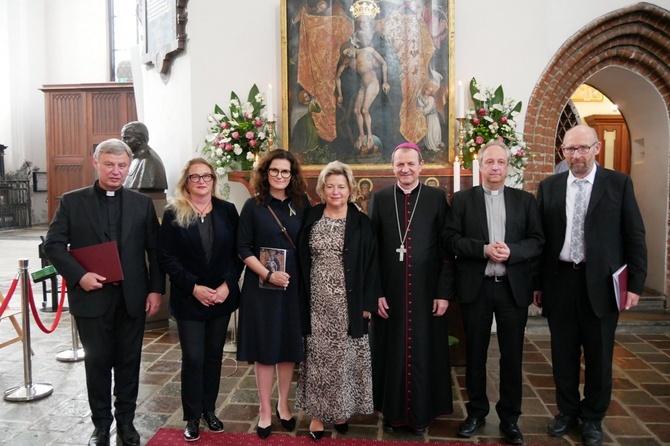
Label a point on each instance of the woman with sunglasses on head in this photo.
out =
(269, 332)
(198, 250)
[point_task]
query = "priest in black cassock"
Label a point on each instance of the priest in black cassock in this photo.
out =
(411, 372)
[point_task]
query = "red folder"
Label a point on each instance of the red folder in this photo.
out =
(101, 259)
(620, 279)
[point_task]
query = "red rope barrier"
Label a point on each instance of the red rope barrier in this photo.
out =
(33, 308)
(9, 295)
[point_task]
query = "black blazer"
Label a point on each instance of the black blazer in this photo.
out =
(467, 232)
(361, 269)
(613, 233)
(182, 256)
(78, 222)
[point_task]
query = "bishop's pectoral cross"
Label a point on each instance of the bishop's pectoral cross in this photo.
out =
(401, 252)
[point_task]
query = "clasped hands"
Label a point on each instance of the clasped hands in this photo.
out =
(497, 251)
(208, 296)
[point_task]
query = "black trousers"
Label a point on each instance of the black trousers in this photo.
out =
(494, 298)
(201, 355)
(112, 341)
(574, 326)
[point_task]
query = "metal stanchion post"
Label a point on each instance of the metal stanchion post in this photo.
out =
(29, 391)
(75, 354)
(231, 347)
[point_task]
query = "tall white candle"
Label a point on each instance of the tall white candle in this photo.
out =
(457, 175)
(460, 101)
(270, 104)
(475, 171)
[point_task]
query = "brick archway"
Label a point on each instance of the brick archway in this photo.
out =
(636, 38)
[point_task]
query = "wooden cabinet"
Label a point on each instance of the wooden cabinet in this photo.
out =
(613, 133)
(79, 117)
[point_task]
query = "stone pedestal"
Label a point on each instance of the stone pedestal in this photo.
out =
(160, 319)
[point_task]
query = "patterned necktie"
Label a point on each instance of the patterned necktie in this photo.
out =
(577, 235)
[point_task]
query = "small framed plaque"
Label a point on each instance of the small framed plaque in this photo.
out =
(39, 181)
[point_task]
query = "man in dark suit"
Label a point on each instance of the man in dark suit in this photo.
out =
(110, 316)
(593, 226)
(495, 234)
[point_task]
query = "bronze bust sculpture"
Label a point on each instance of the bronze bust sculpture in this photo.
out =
(147, 172)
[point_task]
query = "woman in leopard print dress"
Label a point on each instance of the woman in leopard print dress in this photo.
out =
(338, 256)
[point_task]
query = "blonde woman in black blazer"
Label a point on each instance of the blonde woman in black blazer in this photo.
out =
(198, 251)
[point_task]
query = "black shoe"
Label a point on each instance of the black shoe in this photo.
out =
(561, 424)
(192, 430)
(470, 426)
(264, 432)
(213, 423)
(127, 434)
(342, 428)
(592, 433)
(289, 425)
(316, 435)
(417, 432)
(388, 428)
(100, 437)
(511, 432)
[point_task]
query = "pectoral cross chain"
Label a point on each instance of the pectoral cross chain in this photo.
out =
(401, 252)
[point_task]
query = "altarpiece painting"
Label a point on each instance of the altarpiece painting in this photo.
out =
(362, 76)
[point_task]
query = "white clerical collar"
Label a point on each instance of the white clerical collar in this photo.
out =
(591, 177)
(408, 191)
(488, 191)
(110, 193)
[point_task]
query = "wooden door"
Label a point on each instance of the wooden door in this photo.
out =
(613, 133)
(78, 118)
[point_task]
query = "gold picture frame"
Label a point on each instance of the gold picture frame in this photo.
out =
(586, 93)
(337, 103)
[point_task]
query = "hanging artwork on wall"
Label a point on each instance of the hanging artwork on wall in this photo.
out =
(162, 25)
(586, 93)
(362, 76)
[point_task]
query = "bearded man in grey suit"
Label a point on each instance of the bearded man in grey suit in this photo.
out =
(110, 316)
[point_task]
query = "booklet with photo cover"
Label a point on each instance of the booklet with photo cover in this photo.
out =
(274, 259)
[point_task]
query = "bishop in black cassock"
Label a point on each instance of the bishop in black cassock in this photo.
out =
(410, 346)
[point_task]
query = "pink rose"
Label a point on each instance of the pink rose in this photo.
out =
(235, 135)
(501, 139)
(248, 115)
(521, 153)
(228, 147)
(249, 135)
(475, 121)
(225, 125)
(503, 119)
(479, 140)
(481, 111)
(253, 143)
(258, 123)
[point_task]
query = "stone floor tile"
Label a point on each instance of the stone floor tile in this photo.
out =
(661, 431)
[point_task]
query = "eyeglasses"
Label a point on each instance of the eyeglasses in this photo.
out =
(583, 149)
(195, 178)
(275, 172)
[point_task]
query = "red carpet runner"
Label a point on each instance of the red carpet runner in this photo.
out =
(173, 437)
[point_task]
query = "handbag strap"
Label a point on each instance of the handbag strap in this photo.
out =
(283, 228)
